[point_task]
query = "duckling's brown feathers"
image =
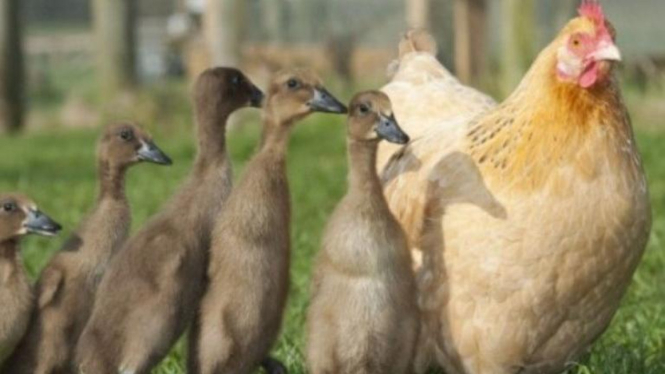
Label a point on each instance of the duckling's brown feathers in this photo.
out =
(240, 317)
(150, 292)
(363, 316)
(16, 299)
(65, 289)
(17, 212)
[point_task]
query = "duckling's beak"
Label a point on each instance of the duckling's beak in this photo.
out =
(256, 97)
(41, 224)
(323, 101)
(151, 153)
(389, 130)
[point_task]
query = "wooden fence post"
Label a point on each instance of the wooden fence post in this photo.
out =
(470, 22)
(223, 24)
(518, 37)
(11, 67)
(115, 29)
(417, 13)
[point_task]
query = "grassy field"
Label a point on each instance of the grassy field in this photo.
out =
(56, 168)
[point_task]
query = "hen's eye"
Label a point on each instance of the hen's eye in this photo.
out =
(9, 207)
(364, 108)
(126, 135)
(292, 83)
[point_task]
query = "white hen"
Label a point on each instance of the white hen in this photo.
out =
(527, 219)
(418, 81)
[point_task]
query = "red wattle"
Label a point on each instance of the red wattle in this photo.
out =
(589, 76)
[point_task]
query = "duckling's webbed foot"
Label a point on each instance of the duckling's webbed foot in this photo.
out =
(273, 366)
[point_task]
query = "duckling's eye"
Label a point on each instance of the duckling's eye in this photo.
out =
(9, 207)
(126, 135)
(292, 83)
(364, 109)
(235, 80)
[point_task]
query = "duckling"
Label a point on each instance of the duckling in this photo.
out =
(241, 311)
(150, 291)
(363, 316)
(65, 290)
(18, 216)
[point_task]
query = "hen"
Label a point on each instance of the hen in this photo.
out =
(526, 220)
(418, 70)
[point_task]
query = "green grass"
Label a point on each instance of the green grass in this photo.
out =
(56, 168)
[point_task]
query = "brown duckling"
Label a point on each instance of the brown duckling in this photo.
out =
(66, 288)
(241, 312)
(18, 216)
(363, 315)
(151, 289)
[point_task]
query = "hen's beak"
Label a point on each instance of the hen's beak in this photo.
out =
(41, 224)
(607, 52)
(323, 101)
(256, 97)
(389, 130)
(151, 153)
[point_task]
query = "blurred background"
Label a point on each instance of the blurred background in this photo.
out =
(74, 63)
(68, 67)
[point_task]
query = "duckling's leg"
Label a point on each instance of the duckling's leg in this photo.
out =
(193, 346)
(90, 359)
(273, 366)
(214, 347)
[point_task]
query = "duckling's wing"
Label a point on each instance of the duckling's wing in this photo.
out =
(50, 282)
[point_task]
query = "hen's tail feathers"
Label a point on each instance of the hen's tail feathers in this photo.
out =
(417, 40)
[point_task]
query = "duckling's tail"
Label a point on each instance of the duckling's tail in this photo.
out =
(417, 40)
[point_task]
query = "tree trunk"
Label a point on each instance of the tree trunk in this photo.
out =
(223, 25)
(302, 29)
(470, 21)
(518, 34)
(417, 13)
(115, 29)
(11, 67)
(441, 27)
(274, 21)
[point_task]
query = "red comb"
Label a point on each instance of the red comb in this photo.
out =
(592, 9)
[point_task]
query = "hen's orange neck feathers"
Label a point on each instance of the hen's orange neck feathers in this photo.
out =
(548, 123)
